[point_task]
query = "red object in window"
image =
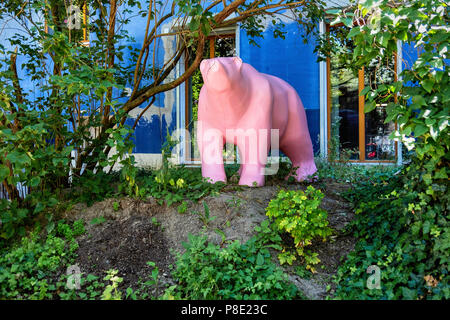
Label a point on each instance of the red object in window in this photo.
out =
(371, 150)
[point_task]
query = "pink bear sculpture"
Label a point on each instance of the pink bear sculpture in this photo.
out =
(240, 105)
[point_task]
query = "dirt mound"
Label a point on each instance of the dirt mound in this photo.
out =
(137, 231)
(125, 245)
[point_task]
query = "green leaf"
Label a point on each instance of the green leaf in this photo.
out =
(4, 172)
(333, 11)
(441, 174)
(194, 24)
(402, 35)
(420, 129)
(385, 37)
(419, 100)
(98, 220)
(427, 178)
(348, 22)
(409, 294)
(206, 28)
(364, 91)
(428, 85)
(369, 106)
(259, 259)
(18, 158)
(355, 31)
(39, 207)
(35, 181)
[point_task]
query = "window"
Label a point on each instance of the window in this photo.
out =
(80, 34)
(84, 17)
(352, 134)
(220, 45)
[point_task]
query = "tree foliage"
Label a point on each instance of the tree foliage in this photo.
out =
(419, 100)
(418, 241)
(72, 119)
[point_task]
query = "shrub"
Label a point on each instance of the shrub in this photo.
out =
(111, 291)
(403, 233)
(172, 184)
(239, 271)
(26, 269)
(298, 213)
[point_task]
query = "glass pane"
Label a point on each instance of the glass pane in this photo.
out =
(225, 47)
(344, 111)
(378, 144)
(195, 84)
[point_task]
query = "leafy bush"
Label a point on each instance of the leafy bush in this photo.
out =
(111, 291)
(178, 184)
(90, 187)
(172, 184)
(341, 171)
(402, 233)
(403, 224)
(27, 269)
(298, 213)
(419, 101)
(53, 128)
(239, 271)
(68, 232)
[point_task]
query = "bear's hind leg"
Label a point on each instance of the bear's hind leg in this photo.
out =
(300, 152)
(296, 142)
(304, 169)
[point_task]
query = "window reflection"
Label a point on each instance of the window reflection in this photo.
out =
(344, 111)
(377, 143)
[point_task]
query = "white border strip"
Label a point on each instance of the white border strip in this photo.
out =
(238, 39)
(399, 70)
(323, 102)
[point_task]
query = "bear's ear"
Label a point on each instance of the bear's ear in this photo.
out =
(238, 62)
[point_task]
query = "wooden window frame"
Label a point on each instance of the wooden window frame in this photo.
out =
(361, 114)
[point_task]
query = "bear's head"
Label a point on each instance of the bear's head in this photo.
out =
(219, 74)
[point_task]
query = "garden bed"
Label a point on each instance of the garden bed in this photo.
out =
(126, 233)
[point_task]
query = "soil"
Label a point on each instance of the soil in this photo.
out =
(136, 231)
(126, 245)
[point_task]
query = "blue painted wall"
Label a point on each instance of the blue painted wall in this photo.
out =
(151, 130)
(293, 61)
(150, 135)
(289, 59)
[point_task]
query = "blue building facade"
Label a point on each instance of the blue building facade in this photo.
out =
(290, 59)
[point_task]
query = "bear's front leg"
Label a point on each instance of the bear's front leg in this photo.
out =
(210, 142)
(252, 175)
(253, 149)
